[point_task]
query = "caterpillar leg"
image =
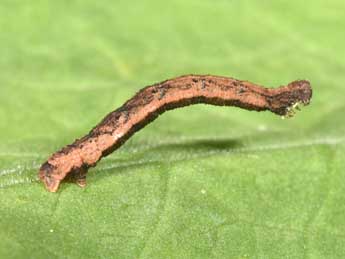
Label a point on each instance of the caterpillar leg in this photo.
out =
(79, 177)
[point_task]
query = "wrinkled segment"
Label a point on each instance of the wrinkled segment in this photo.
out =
(151, 101)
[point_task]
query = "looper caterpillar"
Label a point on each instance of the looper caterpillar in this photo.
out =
(74, 160)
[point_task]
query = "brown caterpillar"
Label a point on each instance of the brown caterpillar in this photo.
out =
(119, 125)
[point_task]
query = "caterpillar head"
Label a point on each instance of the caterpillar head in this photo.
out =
(48, 177)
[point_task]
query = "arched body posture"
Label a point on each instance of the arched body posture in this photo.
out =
(75, 159)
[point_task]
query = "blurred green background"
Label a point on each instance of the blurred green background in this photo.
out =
(199, 182)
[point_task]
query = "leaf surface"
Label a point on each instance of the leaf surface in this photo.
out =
(199, 182)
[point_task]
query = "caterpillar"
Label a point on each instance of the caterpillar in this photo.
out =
(75, 159)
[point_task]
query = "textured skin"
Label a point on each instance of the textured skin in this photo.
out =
(75, 159)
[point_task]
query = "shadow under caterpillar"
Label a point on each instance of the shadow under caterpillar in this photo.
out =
(74, 160)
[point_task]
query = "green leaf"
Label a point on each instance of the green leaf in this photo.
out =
(199, 182)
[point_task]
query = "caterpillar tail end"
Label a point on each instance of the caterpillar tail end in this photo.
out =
(287, 100)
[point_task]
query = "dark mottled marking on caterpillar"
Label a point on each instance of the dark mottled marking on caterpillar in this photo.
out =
(75, 159)
(162, 92)
(241, 89)
(203, 84)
